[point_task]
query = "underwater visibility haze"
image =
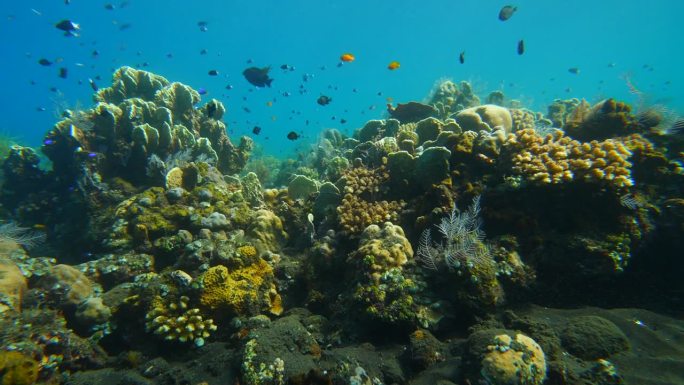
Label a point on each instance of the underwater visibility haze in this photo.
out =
(341, 192)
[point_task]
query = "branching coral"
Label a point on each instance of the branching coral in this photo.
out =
(176, 322)
(360, 206)
(556, 158)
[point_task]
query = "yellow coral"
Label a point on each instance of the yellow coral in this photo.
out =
(556, 158)
(17, 369)
(248, 251)
(514, 362)
(246, 290)
(387, 246)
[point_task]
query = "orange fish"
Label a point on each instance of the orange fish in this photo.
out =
(347, 57)
(393, 65)
(269, 104)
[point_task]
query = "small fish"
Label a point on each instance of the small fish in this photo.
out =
(269, 103)
(95, 53)
(347, 57)
(229, 87)
(92, 84)
(258, 76)
(69, 27)
(203, 26)
(109, 6)
(393, 65)
(574, 70)
(293, 135)
(256, 130)
(461, 57)
(521, 47)
(40, 109)
(204, 51)
(507, 12)
(202, 91)
(343, 121)
(125, 26)
(63, 72)
(324, 100)
(44, 62)
(213, 73)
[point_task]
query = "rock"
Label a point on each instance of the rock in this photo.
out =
(593, 337)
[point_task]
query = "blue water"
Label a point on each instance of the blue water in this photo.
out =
(642, 39)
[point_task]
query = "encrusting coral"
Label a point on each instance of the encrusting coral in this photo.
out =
(556, 158)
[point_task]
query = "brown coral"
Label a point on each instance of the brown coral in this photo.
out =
(556, 158)
(360, 205)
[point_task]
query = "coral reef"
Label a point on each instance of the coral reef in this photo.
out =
(175, 321)
(518, 361)
(556, 158)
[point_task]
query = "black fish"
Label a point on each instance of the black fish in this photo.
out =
(256, 130)
(44, 62)
(203, 26)
(461, 57)
(69, 27)
(213, 72)
(63, 72)
(521, 47)
(293, 135)
(507, 12)
(109, 6)
(258, 76)
(324, 100)
(574, 70)
(203, 51)
(92, 84)
(343, 121)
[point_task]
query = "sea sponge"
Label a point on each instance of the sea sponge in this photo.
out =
(243, 291)
(485, 117)
(607, 118)
(176, 322)
(518, 361)
(556, 158)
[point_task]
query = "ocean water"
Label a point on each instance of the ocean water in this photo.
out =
(607, 40)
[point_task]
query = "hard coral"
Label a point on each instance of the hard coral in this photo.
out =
(244, 291)
(176, 322)
(556, 158)
(518, 361)
(360, 205)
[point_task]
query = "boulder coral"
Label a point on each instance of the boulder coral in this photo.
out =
(486, 117)
(518, 361)
(386, 245)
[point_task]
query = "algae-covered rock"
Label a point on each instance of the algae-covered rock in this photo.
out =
(593, 337)
(432, 166)
(301, 187)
